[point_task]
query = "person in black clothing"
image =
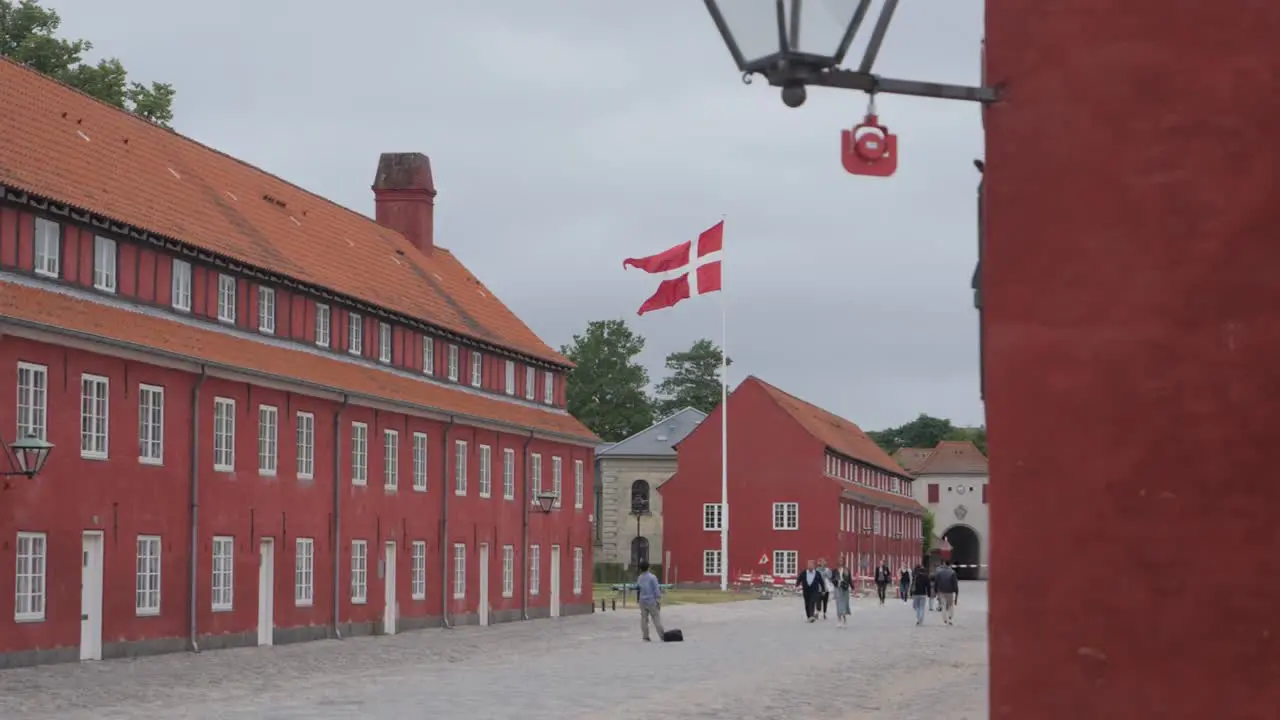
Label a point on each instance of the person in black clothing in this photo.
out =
(919, 591)
(904, 585)
(824, 596)
(883, 577)
(810, 582)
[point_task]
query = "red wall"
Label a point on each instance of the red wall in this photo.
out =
(1131, 358)
(125, 498)
(771, 459)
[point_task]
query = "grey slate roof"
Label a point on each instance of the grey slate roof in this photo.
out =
(657, 439)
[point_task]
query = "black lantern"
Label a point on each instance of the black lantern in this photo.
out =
(794, 43)
(27, 456)
(546, 501)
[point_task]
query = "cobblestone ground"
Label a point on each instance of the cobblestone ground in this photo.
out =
(753, 659)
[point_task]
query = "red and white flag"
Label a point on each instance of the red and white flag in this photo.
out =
(691, 269)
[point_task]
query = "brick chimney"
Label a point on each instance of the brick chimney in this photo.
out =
(405, 197)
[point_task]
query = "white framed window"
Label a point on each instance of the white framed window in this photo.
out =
(535, 569)
(304, 572)
(557, 465)
(577, 571)
(477, 369)
(93, 417)
(509, 382)
(29, 600)
(355, 334)
(390, 459)
(306, 439)
(428, 355)
(548, 387)
(460, 467)
(266, 310)
(150, 424)
(224, 434)
(322, 325)
(226, 298)
(508, 474)
(224, 548)
(536, 479)
(146, 595)
(712, 516)
(785, 562)
(486, 471)
(420, 462)
(33, 400)
(180, 285)
(359, 454)
(384, 342)
(577, 484)
(459, 571)
(359, 572)
(418, 571)
(786, 516)
(453, 363)
(530, 382)
(104, 264)
(875, 525)
(508, 571)
(48, 247)
(268, 439)
(711, 562)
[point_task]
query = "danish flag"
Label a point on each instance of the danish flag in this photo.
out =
(688, 272)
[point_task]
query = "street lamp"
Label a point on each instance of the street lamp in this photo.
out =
(26, 456)
(546, 501)
(795, 44)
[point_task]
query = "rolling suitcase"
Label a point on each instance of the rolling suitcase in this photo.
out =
(673, 636)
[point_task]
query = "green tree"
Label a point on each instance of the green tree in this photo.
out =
(927, 523)
(27, 36)
(924, 432)
(606, 389)
(975, 435)
(693, 379)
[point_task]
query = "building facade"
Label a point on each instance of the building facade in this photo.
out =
(804, 484)
(951, 481)
(274, 419)
(631, 474)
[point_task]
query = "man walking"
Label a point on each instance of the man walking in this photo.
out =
(650, 602)
(883, 576)
(948, 588)
(810, 583)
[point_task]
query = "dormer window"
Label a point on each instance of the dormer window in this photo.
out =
(355, 334)
(530, 382)
(453, 362)
(266, 310)
(226, 298)
(322, 325)
(384, 342)
(548, 387)
(510, 385)
(477, 369)
(428, 355)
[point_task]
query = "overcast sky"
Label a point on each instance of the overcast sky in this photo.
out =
(566, 135)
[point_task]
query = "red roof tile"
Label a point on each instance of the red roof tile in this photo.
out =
(62, 145)
(57, 311)
(912, 459)
(955, 457)
(837, 433)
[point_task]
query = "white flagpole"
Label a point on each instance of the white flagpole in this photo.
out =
(724, 433)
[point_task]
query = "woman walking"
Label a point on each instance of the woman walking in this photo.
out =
(843, 584)
(825, 595)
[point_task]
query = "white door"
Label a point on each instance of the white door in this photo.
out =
(389, 590)
(555, 581)
(91, 596)
(266, 591)
(484, 584)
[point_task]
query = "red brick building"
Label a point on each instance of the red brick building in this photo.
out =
(804, 484)
(274, 419)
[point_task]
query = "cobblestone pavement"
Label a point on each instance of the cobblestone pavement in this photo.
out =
(752, 659)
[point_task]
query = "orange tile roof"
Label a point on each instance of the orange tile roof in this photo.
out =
(837, 433)
(955, 457)
(67, 147)
(912, 459)
(58, 311)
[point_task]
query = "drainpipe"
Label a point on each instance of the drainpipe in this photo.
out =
(524, 532)
(193, 549)
(337, 517)
(445, 565)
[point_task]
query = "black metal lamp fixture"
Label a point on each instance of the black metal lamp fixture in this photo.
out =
(546, 501)
(26, 455)
(770, 42)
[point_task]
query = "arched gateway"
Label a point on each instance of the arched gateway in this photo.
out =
(966, 551)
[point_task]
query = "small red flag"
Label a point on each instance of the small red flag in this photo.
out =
(691, 272)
